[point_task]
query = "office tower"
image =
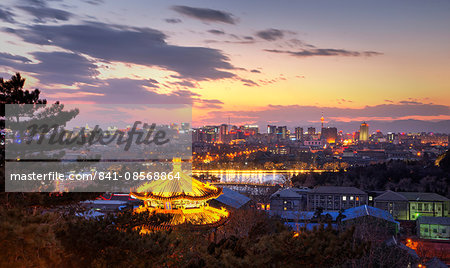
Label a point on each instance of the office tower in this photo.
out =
(223, 131)
(311, 131)
(364, 132)
(198, 135)
(211, 133)
(299, 133)
(282, 132)
(250, 129)
(329, 134)
(271, 129)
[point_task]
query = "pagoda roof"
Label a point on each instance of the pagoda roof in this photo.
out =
(185, 187)
(203, 217)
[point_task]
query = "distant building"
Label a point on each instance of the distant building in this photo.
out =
(398, 155)
(313, 143)
(433, 227)
(289, 199)
(223, 132)
(271, 129)
(329, 134)
(250, 129)
(411, 205)
(372, 216)
(350, 217)
(364, 132)
(373, 155)
(298, 133)
(282, 132)
(311, 131)
(336, 198)
(232, 200)
(211, 133)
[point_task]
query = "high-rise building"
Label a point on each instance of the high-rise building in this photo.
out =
(223, 131)
(211, 133)
(329, 134)
(250, 129)
(282, 132)
(298, 133)
(311, 131)
(364, 132)
(271, 129)
(198, 135)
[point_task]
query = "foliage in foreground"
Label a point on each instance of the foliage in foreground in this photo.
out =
(32, 238)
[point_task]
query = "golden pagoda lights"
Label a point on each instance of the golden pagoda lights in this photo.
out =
(185, 199)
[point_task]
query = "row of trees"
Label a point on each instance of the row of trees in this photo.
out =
(49, 239)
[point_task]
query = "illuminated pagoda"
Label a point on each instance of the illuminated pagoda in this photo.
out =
(187, 205)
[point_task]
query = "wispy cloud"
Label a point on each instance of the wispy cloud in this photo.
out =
(249, 83)
(6, 16)
(216, 32)
(206, 14)
(270, 34)
(325, 52)
(173, 21)
(43, 14)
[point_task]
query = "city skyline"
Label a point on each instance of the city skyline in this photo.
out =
(253, 63)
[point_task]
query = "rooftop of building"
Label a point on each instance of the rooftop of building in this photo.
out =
(365, 210)
(232, 198)
(351, 213)
(337, 190)
(289, 192)
(411, 196)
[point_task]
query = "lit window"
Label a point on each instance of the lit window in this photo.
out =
(344, 198)
(370, 198)
(357, 198)
(351, 198)
(285, 208)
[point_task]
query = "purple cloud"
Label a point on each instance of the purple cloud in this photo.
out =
(205, 14)
(142, 46)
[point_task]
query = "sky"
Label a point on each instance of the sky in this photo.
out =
(247, 62)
